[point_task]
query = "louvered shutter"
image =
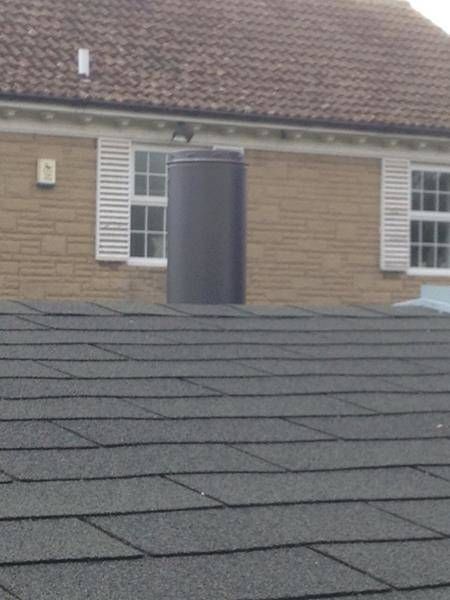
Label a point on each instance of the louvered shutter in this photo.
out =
(395, 199)
(113, 199)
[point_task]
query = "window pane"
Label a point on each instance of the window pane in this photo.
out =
(414, 231)
(155, 218)
(157, 185)
(140, 161)
(427, 256)
(444, 182)
(416, 201)
(428, 228)
(137, 245)
(429, 201)
(417, 180)
(443, 256)
(157, 162)
(138, 217)
(155, 246)
(430, 180)
(140, 185)
(444, 202)
(443, 233)
(414, 256)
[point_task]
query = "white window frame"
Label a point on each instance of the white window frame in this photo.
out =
(137, 261)
(426, 216)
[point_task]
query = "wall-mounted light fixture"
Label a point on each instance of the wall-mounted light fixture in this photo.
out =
(183, 132)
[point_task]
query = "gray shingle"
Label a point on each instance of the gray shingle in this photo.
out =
(264, 575)
(290, 366)
(344, 311)
(70, 408)
(361, 351)
(271, 310)
(66, 498)
(276, 488)
(344, 455)
(13, 323)
(384, 337)
(55, 352)
(136, 308)
(208, 310)
(240, 337)
(53, 336)
(443, 472)
(122, 323)
(193, 430)
(297, 385)
(204, 352)
(401, 564)
(394, 427)
(125, 462)
(127, 388)
(66, 307)
(27, 434)
(9, 307)
(434, 514)
(250, 406)
(441, 593)
(26, 369)
(400, 402)
(139, 369)
(244, 528)
(56, 539)
(425, 383)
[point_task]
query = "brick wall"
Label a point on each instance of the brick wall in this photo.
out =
(312, 230)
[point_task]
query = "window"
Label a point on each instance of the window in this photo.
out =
(148, 229)
(430, 219)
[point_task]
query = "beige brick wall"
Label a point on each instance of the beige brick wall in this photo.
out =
(312, 230)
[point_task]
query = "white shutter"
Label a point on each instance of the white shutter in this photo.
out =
(395, 200)
(113, 199)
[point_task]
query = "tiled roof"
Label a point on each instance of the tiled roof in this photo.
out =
(223, 453)
(354, 63)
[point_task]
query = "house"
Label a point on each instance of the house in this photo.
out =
(223, 453)
(341, 108)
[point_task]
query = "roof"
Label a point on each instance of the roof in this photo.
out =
(223, 452)
(370, 64)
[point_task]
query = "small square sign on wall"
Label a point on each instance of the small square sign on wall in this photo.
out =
(46, 172)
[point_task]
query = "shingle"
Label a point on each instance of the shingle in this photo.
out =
(441, 593)
(193, 430)
(96, 497)
(66, 307)
(425, 383)
(364, 351)
(276, 488)
(238, 337)
(70, 408)
(135, 369)
(57, 539)
(443, 472)
(197, 352)
(292, 366)
(245, 528)
(249, 406)
(401, 564)
(27, 369)
(344, 455)
(434, 514)
(80, 464)
(403, 311)
(208, 310)
(12, 323)
(44, 352)
(394, 427)
(137, 308)
(4, 595)
(27, 434)
(297, 385)
(121, 323)
(126, 388)
(411, 337)
(8, 307)
(274, 311)
(54, 336)
(4, 478)
(344, 311)
(263, 575)
(400, 402)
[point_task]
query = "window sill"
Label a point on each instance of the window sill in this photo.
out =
(424, 272)
(152, 263)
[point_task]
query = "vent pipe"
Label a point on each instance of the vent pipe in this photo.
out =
(206, 227)
(83, 62)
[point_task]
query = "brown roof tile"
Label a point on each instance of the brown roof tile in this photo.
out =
(354, 63)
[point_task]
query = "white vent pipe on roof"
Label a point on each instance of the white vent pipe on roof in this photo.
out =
(83, 62)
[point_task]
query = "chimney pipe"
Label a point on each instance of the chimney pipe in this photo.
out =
(206, 227)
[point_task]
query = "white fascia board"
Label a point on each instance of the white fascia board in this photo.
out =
(142, 127)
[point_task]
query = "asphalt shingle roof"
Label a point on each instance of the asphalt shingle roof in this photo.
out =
(235, 453)
(351, 63)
